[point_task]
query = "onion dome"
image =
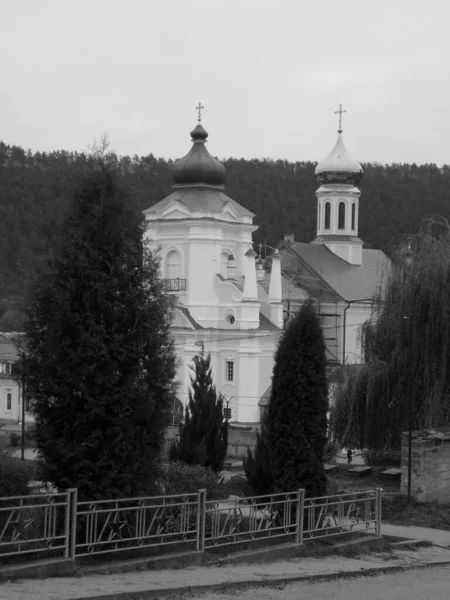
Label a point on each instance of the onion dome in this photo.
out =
(198, 166)
(339, 166)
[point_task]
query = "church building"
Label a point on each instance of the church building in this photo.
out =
(345, 278)
(223, 300)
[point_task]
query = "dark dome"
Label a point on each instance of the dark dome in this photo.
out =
(198, 166)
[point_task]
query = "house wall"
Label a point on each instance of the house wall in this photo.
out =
(430, 474)
(9, 386)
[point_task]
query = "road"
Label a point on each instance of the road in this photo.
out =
(419, 584)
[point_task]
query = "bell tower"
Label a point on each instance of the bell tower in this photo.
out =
(338, 201)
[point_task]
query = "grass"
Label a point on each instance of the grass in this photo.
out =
(418, 514)
(341, 480)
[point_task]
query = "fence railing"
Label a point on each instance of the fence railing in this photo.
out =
(36, 525)
(60, 525)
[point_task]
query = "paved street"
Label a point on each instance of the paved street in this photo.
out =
(420, 584)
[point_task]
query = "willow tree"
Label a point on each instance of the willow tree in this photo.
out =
(407, 348)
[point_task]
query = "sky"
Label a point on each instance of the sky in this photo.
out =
(269, 73)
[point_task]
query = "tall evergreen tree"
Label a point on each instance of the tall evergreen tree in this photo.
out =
(203, 437)
(257, 464)
(100, 364)
(298, 407)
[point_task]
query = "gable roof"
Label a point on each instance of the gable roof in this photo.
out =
(350, 282)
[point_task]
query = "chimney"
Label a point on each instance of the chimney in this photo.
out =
(289, 237)
(275, 291)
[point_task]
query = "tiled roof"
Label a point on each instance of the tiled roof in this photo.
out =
(188, 316)
(200, 198)
(350, 282)
(290, 290)
(8, 350)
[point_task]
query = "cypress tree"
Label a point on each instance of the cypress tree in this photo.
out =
(100, 364)
(298, 407)
(203, 437)
(257, 465)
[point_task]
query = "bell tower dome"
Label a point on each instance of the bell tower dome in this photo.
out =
(338, 201)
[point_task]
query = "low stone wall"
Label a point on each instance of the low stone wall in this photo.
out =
(240, 437)
(430, 471)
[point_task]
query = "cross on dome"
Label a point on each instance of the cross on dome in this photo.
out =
(340, 113)
(199, 109)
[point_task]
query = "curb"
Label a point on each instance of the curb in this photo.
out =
(257, 583)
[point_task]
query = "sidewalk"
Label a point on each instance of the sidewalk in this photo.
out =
(147, 584)
(438, 537)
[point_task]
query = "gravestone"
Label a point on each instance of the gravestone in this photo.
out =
(391, 474)
(360, 471)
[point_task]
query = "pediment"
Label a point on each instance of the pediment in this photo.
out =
(175, 210)
(229, 213)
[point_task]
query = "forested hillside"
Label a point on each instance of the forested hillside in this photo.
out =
(36, 189)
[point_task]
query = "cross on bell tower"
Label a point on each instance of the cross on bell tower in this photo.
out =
(199, 109)
(340, 112)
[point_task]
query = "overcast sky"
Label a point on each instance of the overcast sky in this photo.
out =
(269, 73)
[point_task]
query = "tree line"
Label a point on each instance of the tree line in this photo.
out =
(36, 190)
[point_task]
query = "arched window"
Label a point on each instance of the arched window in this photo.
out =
(318, 215)
(224, 264)
(341, 215)
(173, 265)
(353, 215)
(8, 402)
(327, 215)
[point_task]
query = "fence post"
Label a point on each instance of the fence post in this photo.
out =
(73, 521)
(300, 516)
(378, 511)
(201, 519)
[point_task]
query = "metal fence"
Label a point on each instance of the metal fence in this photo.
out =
(37, 525)
(112, 525)
(60, 525)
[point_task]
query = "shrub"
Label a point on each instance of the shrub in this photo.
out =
(14, 439)
(384, 457)
(180, 478)
(15, 476)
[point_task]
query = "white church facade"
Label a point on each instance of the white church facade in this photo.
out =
(232, 303)
(221, 300)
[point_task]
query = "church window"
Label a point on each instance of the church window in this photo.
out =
(341, 215)
(327, 215)
(231, 319)
(353, 215)
(224, 264)
(173, 265)
(8, 368)
(229, 371)
(9, 402)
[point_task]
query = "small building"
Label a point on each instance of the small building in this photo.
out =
(10, 390)
(223, 300)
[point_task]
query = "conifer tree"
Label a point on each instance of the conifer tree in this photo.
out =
(100, 364)
(298, 406)
(257, 465)
(203, 437)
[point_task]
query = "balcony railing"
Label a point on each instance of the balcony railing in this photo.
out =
(174, 285)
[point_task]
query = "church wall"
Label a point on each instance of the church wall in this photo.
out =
(252, 364)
